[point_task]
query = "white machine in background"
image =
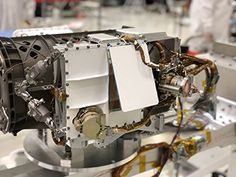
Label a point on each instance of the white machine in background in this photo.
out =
(99, 94)
(224, 55)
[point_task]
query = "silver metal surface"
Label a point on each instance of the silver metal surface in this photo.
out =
(17, 165)
(103, 38)
(226, 111)
(226, 49)
(95, 159)
(224, 57)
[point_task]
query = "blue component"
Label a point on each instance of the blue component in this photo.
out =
(6, 33)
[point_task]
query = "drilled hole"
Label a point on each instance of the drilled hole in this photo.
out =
(9, 76)
(33, 55)
(4, 54)
(11, 101)
(10, 88)
(7, 63)
(23, 49)
(12, 114)
(9, 46)
(37, 47)
(64, 39)
(26, 42)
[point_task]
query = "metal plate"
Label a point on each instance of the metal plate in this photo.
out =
(135, 81)
(17, 165)
(95, 160)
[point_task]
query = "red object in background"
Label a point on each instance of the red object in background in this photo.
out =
(192, 53)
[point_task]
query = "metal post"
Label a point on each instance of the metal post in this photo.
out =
(176, 169)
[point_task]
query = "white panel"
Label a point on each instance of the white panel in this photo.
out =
(103, 38)
(42, 31)
(87, 92)
(86, 63)
(135, 81)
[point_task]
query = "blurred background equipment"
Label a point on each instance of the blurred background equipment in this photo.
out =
(207, 20)
(14, 13)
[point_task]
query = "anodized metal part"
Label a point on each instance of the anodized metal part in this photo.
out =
(178, 85)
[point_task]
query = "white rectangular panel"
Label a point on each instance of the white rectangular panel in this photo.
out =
(87, 92)
(86, 63)
(135, 81)
(103, 38)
